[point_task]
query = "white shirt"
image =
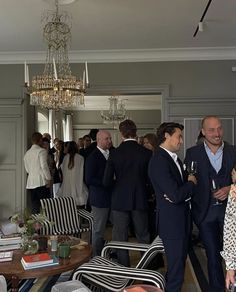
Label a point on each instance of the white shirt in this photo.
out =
(130, 139)
(104, 152)
(175, 158)
(36, 166)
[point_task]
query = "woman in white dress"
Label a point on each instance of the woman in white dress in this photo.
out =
(72, 169)
(229, 238)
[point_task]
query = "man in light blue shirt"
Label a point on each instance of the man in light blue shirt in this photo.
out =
(215, 161)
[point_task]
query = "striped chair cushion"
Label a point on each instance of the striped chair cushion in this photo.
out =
(107, 274)
(63, 213)
(104, 273)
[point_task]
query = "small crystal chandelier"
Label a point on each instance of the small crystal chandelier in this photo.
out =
(57, 88)
(116, 112)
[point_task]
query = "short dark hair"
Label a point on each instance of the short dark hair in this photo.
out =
(128, 129)
(36, 138)
(93, 134)
(45, 139)
(86, 136)
(169, 128)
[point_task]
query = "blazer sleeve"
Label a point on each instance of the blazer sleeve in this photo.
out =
(165, 181)
(26, 164)
(44, 164)
(91, 172)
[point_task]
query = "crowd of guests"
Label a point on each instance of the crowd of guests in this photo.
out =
(144, 185)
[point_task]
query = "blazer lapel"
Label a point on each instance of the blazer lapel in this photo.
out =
(174, 166)
(225, 159)
(182, 169)
(204, 157)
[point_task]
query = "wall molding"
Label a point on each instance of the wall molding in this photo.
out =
(119, 56)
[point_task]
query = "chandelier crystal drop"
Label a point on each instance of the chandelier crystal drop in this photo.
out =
(57, 88)
(116, 112)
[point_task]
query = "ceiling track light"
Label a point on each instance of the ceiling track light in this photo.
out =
(200, 24)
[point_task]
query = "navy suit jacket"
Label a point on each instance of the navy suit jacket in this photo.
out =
(128, 163)
(173, 218)
(85, 152)
(202, 197)
(99, 196)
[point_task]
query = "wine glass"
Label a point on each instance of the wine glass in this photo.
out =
(192, 167)
(214, 188)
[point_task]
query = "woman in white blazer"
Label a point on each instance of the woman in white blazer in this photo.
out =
(72, 169)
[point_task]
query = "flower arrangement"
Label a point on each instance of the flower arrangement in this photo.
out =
(28, 224)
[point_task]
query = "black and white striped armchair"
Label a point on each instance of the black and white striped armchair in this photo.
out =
(103, 273)
(65, 216)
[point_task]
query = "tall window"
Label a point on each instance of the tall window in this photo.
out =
(42, 123)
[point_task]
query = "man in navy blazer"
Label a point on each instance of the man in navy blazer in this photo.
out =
(173, 189)
(128, 164)
(99, 196)
(215, 161)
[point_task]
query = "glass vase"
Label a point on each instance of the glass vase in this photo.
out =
(29, 245)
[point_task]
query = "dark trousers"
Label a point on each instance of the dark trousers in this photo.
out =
(121, 221)
(36, 195)
(211, 234)
(176, 253)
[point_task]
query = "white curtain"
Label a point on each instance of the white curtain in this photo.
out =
(68, 128)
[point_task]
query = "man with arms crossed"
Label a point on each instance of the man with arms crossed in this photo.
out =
(215, 161)
(173, 189)
(39, 176)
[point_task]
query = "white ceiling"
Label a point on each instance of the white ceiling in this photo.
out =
(122, 30)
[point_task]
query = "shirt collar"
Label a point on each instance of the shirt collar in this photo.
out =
(129, 139)
(218, 150)
(103, 151)
(172, 154)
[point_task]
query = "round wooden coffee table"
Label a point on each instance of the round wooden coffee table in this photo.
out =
(14, 270)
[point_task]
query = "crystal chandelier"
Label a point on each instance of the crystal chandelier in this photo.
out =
(116, 112)
(57, 88)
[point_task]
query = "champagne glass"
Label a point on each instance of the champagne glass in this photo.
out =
(214, 188)
(192, 167)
